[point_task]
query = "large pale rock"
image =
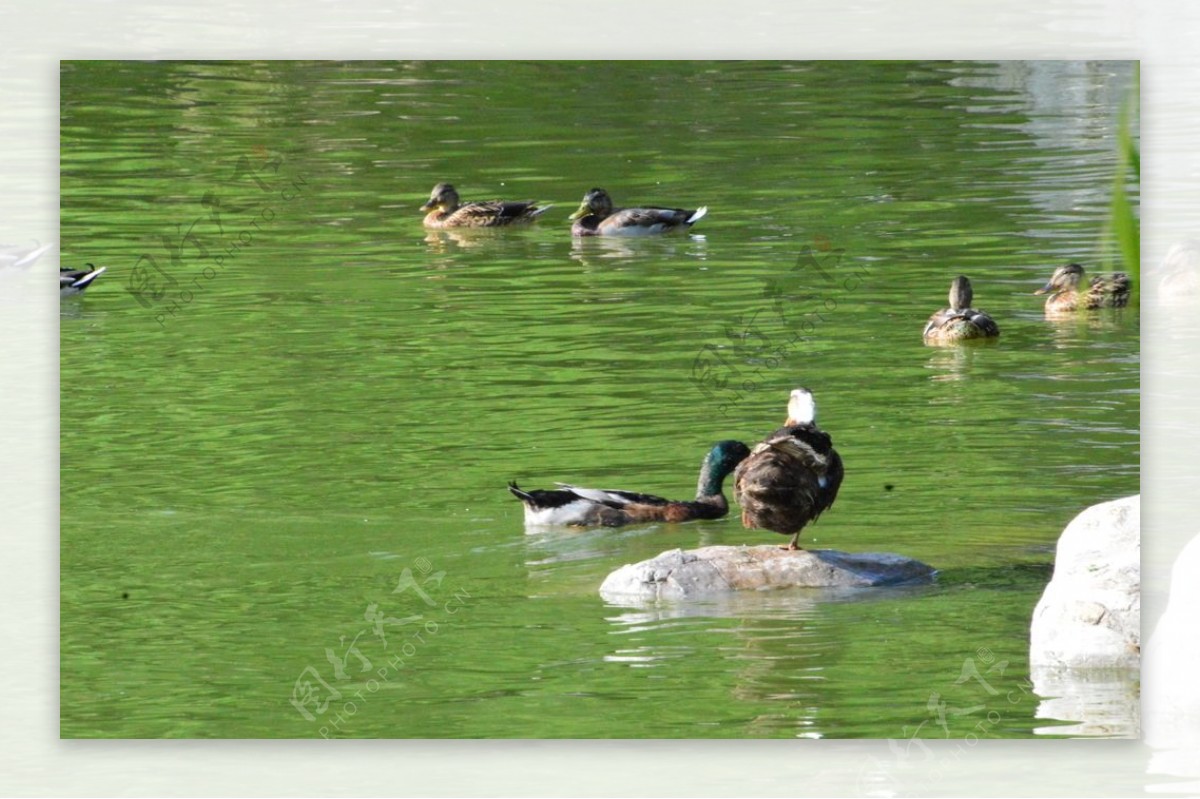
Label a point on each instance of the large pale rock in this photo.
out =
(1090, 613)
(677, 574)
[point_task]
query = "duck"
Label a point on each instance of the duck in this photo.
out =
(959, 322)
(792, 477)
(73, 281)
(575, 506)
(1104, 291)
(597, 217)
(446, 212)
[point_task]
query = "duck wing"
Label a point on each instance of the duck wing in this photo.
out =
(614, 498)
(789, 479)
(653, 220)
(986, 324)
(1112, 289)
(497, 212)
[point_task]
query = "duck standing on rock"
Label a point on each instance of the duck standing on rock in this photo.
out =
(574, 506)
(1104, 291)
(959, 322)
(597, 217)
(445, 211)
(792, 476)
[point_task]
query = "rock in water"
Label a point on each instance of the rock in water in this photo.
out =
(1090, 613)
(677, 574)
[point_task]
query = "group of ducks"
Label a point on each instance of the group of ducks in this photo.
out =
(793, 476)
(596, 215)
(783, 484)
(961, 322)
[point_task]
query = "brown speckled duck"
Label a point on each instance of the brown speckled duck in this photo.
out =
(446, 212)
(1104, 291)
(792, 477)
(959, 322)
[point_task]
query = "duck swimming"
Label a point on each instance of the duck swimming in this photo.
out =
(792, 476)
(1104, 291)
(589, 507)
(445, 211)
(959, 322)
(597, 217)
(73, 281)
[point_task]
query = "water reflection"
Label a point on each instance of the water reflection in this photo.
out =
(449, 241)
(602, 251)
(952, 361)
(786, 604)
(1099, 704)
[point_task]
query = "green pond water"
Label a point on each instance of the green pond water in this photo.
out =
(289, 414)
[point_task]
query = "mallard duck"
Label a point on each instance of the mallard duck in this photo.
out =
(792, 476)
(445, 212)
(1104, 291)
(959, 322)
(589, 507)
(73, 281)
(597, 217)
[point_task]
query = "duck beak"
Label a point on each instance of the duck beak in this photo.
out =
(429, 206)
(581, 213)
(1046, 288)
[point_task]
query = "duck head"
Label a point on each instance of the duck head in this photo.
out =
(1064, 278)
(960, 293)
(443, 197)
(595, 203)
(726, 455)
(719, 463)
(802, 408)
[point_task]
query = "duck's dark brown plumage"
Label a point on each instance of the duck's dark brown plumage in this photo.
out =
(446, 212)
(959, 322)
(792, 477)
(1104, 291)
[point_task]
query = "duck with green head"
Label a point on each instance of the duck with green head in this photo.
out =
(959, 322)
(445, 211)
(597, 217)
(793, 476)
(574, 506)
(1104, 291)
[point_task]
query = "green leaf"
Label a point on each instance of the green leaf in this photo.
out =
(1125, 228)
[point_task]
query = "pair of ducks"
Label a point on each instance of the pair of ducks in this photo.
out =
(782, 484)
(961, 322)
(596, 215)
